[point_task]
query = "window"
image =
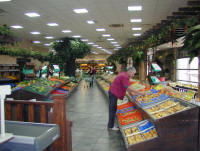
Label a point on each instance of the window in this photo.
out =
(187, 73)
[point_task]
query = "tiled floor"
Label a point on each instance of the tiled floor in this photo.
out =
(88, 109)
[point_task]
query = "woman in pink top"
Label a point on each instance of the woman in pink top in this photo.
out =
(117, 90)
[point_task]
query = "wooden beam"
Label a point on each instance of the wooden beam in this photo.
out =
(189, 9)
(185, 13)
(193, 3)
(175, 17)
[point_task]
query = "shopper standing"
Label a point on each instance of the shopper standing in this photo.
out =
(117, 90)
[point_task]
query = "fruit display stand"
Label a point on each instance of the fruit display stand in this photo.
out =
(174, 123)
(9, 73)
(41, 89)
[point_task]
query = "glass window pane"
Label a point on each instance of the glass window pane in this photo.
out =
(182, 75)
(194, 63)
(183, 63)
(193, 75)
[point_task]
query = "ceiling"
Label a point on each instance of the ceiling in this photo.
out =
(104, 12)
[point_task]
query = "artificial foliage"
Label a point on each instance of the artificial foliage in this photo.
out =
(22, 52)
(166, 33)
(192, 42)
(67, 50)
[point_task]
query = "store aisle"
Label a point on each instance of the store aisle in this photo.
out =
(88, 109)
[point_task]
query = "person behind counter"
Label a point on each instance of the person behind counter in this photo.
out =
(117, 90)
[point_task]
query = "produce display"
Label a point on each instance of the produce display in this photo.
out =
(165, 109)
(128, 114)
(150, 99)
(139, 132)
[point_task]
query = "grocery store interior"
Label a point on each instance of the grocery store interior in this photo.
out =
(70, 70)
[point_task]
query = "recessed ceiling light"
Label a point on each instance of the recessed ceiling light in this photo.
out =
(136, 20)
(94, 52)
(47, 44)
(16, 26)
(76, 36)
(110, 39)
(96, 45)
(136, 28)
(90, 43)
(32, 14)
(134, 8)
(52, 24)
(35, 32)
(113, 42)
(81, 11)
(5, 0)
(84, 39)
(106, 51)
(66, 31)
(90, 22)
(49, 37)
(99, 47)
(36, 42)
(100, 29)
(138, 34)
(106, 35)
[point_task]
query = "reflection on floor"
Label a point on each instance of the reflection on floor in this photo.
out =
(88, 109)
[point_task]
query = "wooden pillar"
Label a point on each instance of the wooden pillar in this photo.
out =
(199, 77)
(59, 117)
(142, 71)
(174, 65)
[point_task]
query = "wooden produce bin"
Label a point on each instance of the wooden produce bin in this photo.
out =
(176, 132)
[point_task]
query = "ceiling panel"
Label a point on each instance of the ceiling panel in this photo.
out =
(104, 12)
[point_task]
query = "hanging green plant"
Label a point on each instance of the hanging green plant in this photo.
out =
(192, 42)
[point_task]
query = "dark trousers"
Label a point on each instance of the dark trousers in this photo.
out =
(112, 109)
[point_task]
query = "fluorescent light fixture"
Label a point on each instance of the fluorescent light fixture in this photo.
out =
(90, 22)
(84, 39)
(77, 36)
(117, 45)
(32, 14)
(100, 29)
(16, 26)
(94, 52)
(106, 35)
(116, 49)
(113, 42)
(47, 44)
(134, 8)
(106, 51)
(5, 0)
(110, 39)
(80, 11)
(138, 34)
(96, 45)
(136, 20)
(35, 32)
(136, 28)
(66, 31)
(90, 43)
(52, 24)
(49, 37)
(99, 47)
(36, 42)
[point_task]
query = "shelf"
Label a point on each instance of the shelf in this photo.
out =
(9, 70)
(9, 65)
